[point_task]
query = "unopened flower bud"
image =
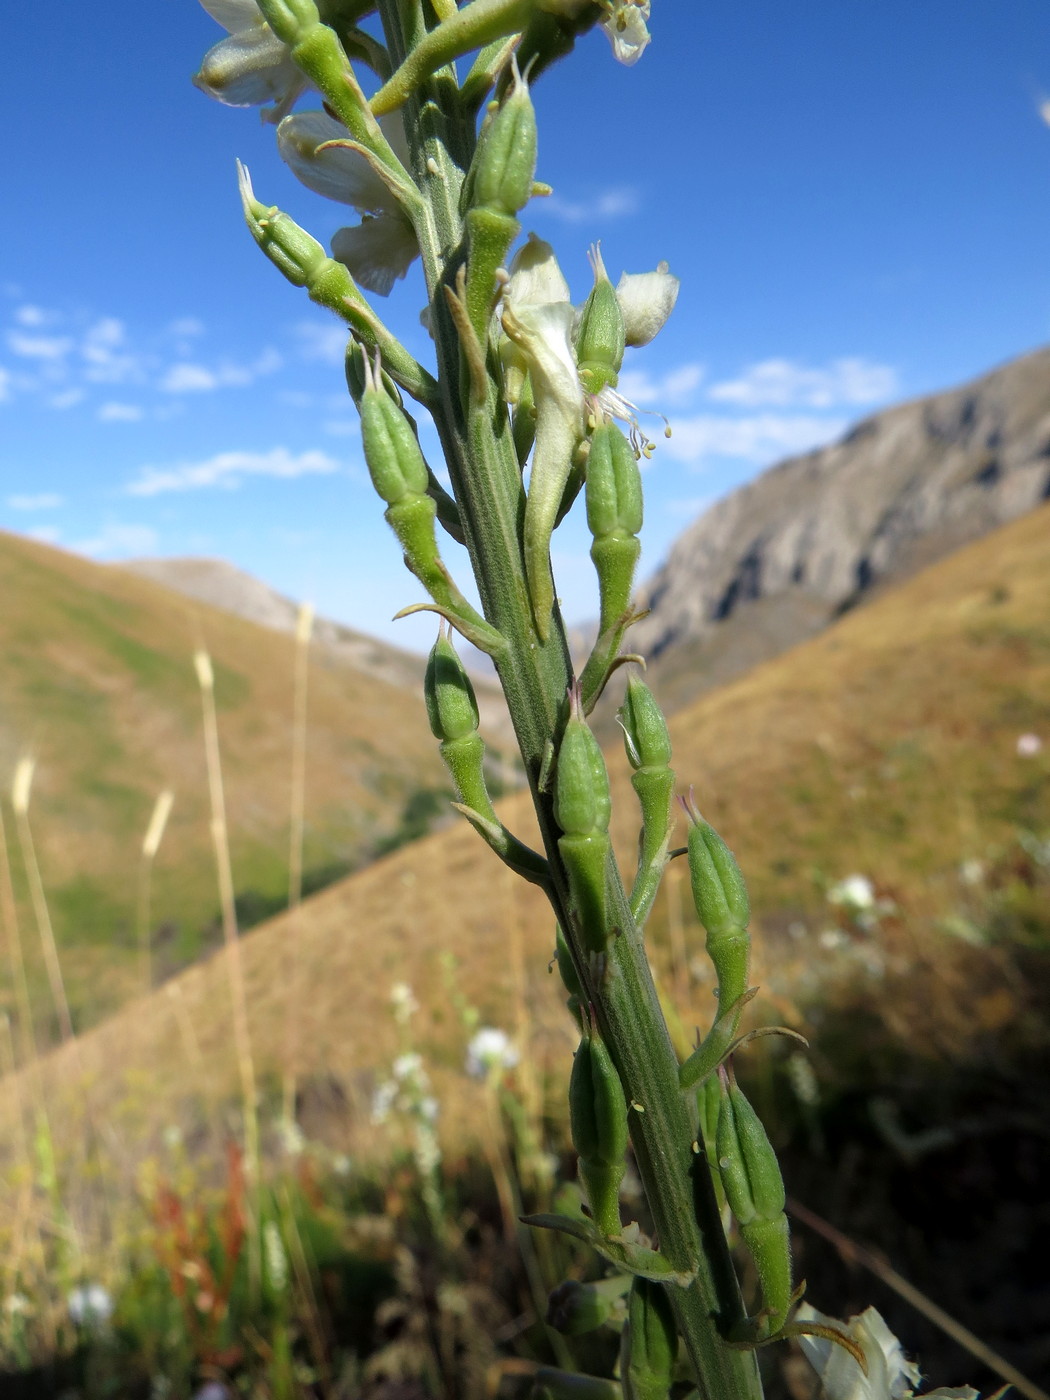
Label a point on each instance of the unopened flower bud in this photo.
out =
(576, 1308)
(395, 461)
(598, 1122)
(298, 255)
(505, 163)
(649, 1343)
(646, 738)
(451, 704)
(289, 19)
(747, 1163)
(600, 336)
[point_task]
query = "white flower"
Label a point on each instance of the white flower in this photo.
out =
(251, 66)
(403, 1000)
(89, 1305)
(16, 1305)
(489, 1051)
(409, 1067)
(1028, 745)
(890, 1375)
(646, 300)
(855, 892)
(625, 26)
(383, 246)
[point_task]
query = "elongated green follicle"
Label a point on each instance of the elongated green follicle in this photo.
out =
(598, 1123)
(582, 807)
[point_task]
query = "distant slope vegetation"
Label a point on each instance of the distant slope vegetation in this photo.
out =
(776, 560)
(97, 682)
(887, 746)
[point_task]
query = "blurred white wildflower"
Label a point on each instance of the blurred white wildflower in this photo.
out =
(251, 66)
(383, 1100)
(408, 1068)
(292, 1137)
(89, 1305)
(403, 1002)
(971, 872)
(855, 893)
(803, 1079)
(1028, 745)
(489, 1051)
(832, 939)
(17, 1305)
(276, 1259)
(890, 1375)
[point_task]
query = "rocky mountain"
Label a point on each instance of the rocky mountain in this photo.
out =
(775, 561)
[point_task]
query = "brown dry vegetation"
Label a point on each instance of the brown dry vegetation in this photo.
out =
(887, 746)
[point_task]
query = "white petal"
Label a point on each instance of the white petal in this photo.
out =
(233, 14)
(535, 275)
(626, 29)
(646, 300)
(543, 333)
(377, 252)
(337, 172)
(249, 67)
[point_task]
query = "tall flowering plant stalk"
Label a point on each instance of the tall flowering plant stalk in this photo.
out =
(438, 164)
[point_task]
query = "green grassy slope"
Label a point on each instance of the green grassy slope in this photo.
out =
(887, 746)
(97, 682)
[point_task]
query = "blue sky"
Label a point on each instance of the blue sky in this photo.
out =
(856, 198)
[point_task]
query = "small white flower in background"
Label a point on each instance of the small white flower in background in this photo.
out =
(489, 1051)
(89, 1305)
(428, 1108)
(832, 939)
(409, 1068)
(890, 1375)
(317, 149)
(626, 29)
(212, 1390)
(17, 1305)
(403, 1002)
(292, 1137)
(251, 66)
(383, 1100)
(855, 892)
(276, 1259)
(1028, 745)
(971, 872)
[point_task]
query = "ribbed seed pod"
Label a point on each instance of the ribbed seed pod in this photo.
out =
(614, 514)
(453, 713)
(648, 746)
(392, 453)
(649, 1343)
(567, 968)
(750, 1174)
(723, 908)
(504, 164)
(582, 807)
(600, 336)
(598, 1122)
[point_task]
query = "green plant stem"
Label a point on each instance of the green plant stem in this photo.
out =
(535, 676)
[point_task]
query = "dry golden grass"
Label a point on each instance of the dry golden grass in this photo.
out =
(886, 746)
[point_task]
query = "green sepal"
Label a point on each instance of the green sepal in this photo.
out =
(646, 736)
(648, 1344)
(623, 1250)
(598, 1125)
(392, 453)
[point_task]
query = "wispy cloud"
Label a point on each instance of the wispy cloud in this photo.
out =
(119, 413)
(189, 378)
(43, 500)
(229, 470)
(38, 347)
(615, 203)
(760, 439)
(784, 383)
(668, 390)
(321, 340)
(118, 541)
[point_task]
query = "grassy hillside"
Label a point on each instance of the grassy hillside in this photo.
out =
(97, 683)
(887, 747)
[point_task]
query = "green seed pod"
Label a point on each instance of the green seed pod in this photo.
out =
(598, 1122)
(395, 461)
(601, 336)
(723, 908)
(567, 968)
(614, 484)
(645, 732)
(747, 1163)
(582, 807)
(452, 707)
(575, 1308)
(649, 1343)
(504, 165)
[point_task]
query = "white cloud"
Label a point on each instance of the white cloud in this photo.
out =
(46, 534)
(119, 413)
(106, 358)
(44, 500)
(66, 398)
(676, 387)
(785, 384)
(119, 541)
(322, 340)
(39, 347)
(229, 469)
(32, 316)
(608, 204)
(1044, 110)
(188, 378)
(186, 327)
(762, 438)
(5, 385)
